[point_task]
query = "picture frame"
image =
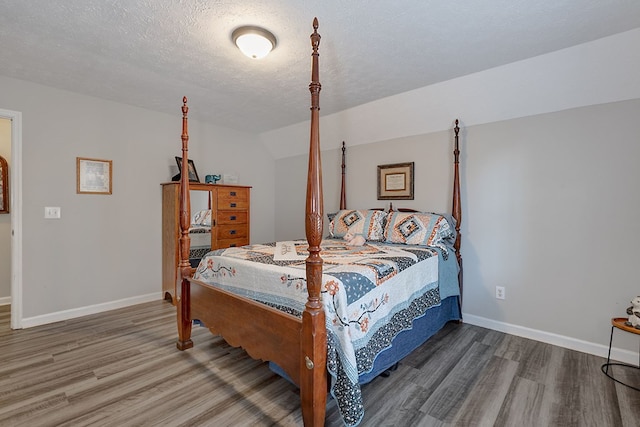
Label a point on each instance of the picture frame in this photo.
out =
(93, 176)
(395, 181)
(193, 173)
(4, 186)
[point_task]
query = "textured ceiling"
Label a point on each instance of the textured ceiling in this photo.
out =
(149, 53)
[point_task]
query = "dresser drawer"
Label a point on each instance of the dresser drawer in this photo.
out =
(232, 231)
(233, 198)
(232, 217)
(241, 205)
(232, 243)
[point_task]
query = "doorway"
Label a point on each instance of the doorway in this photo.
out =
(5, 218)
(14, 226)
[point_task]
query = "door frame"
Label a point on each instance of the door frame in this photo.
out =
(15, 206)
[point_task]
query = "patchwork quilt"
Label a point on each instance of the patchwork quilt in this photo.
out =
(370, 294)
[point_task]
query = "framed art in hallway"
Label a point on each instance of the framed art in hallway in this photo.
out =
(93, 176)
(395, 181)
(4, 186)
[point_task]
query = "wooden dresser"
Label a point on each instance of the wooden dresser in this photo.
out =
(229, 206)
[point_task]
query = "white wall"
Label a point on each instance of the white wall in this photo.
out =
(549, 206)
(5, 219)
(243, 155)
(552, 204)
(106, 248)
(549, 146)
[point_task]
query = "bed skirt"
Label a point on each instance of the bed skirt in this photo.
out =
(406, 341)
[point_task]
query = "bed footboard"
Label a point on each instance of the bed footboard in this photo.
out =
(265, 333)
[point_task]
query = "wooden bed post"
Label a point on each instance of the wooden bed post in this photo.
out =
(313, 344)
(456, 208)
(183, 294)
(343, 195)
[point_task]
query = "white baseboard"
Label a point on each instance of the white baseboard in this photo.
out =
(617, 354)
(59, 316)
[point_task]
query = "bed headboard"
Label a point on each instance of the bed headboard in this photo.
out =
(456, 206)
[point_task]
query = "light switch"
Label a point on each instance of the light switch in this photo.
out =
(52, 212)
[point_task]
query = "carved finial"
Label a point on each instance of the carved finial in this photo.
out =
(315, 86)
(185, 109)
(456, 129)
(315, 37)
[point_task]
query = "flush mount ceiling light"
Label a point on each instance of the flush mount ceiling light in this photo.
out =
(255, 42)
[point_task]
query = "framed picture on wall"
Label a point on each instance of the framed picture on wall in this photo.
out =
(4, 185)
(395, 181)
(93, 176)
(193, 174)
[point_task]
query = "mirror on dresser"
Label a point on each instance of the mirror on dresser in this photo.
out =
(201, 225)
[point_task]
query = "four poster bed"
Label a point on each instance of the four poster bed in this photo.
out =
(345, 316)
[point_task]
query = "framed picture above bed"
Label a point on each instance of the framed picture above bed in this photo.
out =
(93, 176)
(395, 181)
(193, 174)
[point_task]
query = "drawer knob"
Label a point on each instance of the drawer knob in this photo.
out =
(232, 205)
(232, 193)
(233, 245)
(232, 231)
(308, 362)
(232, 218)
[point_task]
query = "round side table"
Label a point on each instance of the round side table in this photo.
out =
(618, 322)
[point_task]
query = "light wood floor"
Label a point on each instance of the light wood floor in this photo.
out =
(121, 368)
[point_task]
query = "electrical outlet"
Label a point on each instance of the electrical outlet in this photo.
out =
(500, 292)
(52, 212)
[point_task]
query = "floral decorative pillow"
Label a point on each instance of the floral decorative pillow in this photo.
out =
(419, 228)
(202, 218)
(367, 223)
